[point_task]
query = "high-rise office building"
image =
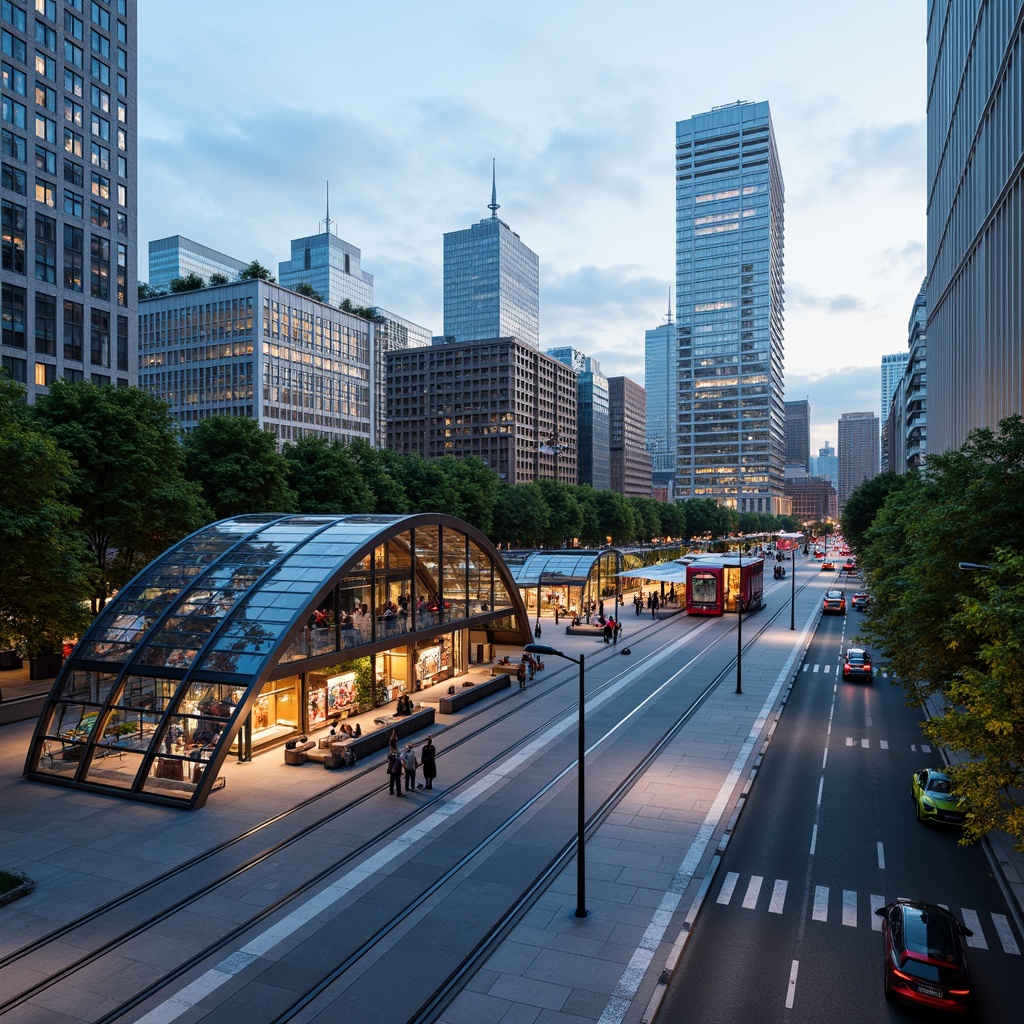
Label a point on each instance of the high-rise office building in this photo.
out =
(731, 438)
(507, 403)
(916, 385)
(660, 384)
(252, 348)
(975, 212)
(826, 465)
(630, 460)
(491, 283)
(858, 452)
(177, 256)
(592, 462)
(798, 434)
(68, 192)
(893, 367)
(331, 266)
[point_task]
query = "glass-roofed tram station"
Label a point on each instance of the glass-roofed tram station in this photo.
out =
(258, 629)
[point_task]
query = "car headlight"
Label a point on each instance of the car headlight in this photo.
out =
(927, 804)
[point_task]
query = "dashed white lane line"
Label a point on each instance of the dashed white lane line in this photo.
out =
(791, 990)
(814, 839)
(881, 858)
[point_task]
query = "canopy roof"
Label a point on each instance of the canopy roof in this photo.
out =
(186, 645)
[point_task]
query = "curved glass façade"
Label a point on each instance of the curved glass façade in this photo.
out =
(251, 620)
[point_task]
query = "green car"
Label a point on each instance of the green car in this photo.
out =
(930, 791)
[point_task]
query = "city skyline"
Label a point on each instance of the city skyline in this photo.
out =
(582, 133)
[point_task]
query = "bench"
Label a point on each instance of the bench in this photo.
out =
(298, 754)
(467, 695)
(371, 742)
(585, 630)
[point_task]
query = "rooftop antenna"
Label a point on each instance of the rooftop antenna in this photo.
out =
(327, 219)
(668, 317)
(493, 204)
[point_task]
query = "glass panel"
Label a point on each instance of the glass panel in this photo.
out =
(80, 684)
(427, 578)
(173, 777)
(113, 765)
(480, 571)
(453, 584)
(501, 595)
(276, 711)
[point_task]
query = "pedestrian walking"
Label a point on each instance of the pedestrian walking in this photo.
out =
(394, 773)
(616, 630)
(654, 606)
(608, 631)
(428, 757)
(521, 674)
(410, 764)
(638, 604)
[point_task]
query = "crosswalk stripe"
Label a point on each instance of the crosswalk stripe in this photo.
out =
(816, 667)
(925, 749)
(849, 741)
(1004, 933)
(727, 886)
(977, 940)
(828, 668)
(877, 902)
(820, 912)
(807, 666)
(779, 896)
(753, 891)
(865, 743)
(849, 908)
(884, 744)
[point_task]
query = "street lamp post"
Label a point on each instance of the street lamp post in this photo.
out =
(739, 624)
(792, 599)
(581, 786)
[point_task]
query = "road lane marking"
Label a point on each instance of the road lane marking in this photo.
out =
(816, 667)
(865, 743)
(725, 894)
(814, 838)
(820, 912)
(881, 856)
(753, 891)
(884, 744)
(877, 902)
(1004, 933)
(791, 991)
(849, 741)
(827, 669)
(849, 909)
(779, 898)
(821, 786)
(925, 749)
(973, 922)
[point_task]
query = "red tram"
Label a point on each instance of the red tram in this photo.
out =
(713, 585)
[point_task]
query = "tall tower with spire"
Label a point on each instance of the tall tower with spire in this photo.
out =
(491, 281)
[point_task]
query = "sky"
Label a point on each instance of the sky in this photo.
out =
(248, 108)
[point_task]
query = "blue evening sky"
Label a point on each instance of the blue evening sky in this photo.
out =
(247, 109)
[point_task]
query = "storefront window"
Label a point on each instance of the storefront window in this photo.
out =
(456, 574)
(276, 711)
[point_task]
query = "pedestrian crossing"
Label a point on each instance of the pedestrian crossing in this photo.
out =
(850, 909)
(827, 667)
(865, 743)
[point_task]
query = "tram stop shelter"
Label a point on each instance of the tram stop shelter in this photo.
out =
(257, 629)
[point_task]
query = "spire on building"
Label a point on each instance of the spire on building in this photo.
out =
(668, 315)
(493, 204)
(327, 219)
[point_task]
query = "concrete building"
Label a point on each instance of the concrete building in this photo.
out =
(975, 263)
(813, 499)
(592, 463)
(491, 283)
(630, 460)
(501, 400)
(331, 266)
(858, 452)
(915, 390)
(251, 348)
(69, 194)
(731, 438)
(178, 256)
(798, 434)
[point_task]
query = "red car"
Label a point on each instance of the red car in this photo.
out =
(925, 956)
(857, 664)
(849, 566)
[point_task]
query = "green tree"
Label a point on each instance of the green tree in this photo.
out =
(305, 288)
(255, 271)
(675, 520)
(218, 278)
(521, 516)
(863, 504)
(366, 312)
(646, 518)
(44, 562)
(324, 478)
(382, 471)
(478, 489)
(984, 717)
(237, 467)
(565, 518)
(127, 477)
(616, 518)
(146, 292)
(191, 282)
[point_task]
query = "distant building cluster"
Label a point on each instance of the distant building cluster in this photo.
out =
(310, 353)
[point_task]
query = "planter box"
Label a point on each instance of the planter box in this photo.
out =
(46, 666)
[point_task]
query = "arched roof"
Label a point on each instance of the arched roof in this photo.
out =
(192, 637)
(566, 568)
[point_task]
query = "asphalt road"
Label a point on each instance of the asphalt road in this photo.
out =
(787, 930)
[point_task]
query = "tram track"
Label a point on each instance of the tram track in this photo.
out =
(288, 818)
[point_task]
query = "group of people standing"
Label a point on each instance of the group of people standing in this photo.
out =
(404, 765)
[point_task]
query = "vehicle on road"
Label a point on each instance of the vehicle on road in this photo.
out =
(925, 956)
(834, 603)
(861, 600)
(934, 800)
(857, 664)
(828, 566)
(850, 567)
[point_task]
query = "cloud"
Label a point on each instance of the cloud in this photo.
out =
(831, 393)
(799, 297)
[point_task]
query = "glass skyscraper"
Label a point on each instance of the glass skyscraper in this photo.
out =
(491, 283)
(593, 460)
(331, 266)
(730, 420)
(660, 384)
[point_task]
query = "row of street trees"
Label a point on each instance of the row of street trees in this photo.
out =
(952, 636)
(97, 482)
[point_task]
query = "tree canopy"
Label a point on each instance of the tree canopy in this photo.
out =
(191, 282)
(255, 271)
